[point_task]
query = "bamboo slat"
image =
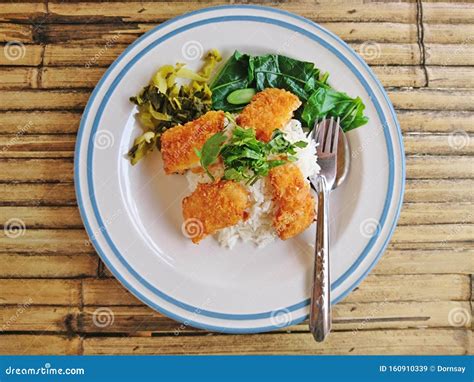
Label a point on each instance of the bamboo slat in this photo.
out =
(21, 11)
(44, 217)
(435, 213)
(450, 77)
(441, 233)
(83, 55)
(72, 77)
(66, 241)
(40, 146)
(430, 99)
(39, 122)
(439, 191)
(18, 77)
(451, 13)
(356, 11)
(20, 54)
(422, 342)
(42, 99)
(40, 292)
(35, 170)
(449, 33)
(38, 318)
(435, 121)
(44, 266)
(438, 144)
(37, 194)
(389, 54)
(449, 54)
(15, 34)
(15, 344)
(438, 167)
(440, 260)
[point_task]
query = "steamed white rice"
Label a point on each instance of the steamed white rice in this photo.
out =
(258, 228)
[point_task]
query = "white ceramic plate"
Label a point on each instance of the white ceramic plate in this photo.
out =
(133, 214)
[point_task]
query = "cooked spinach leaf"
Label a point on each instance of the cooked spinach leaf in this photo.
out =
(299, 77)
(327, 102)
(234, 75)
(276, 71)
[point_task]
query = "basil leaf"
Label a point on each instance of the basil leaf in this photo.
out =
(210, 151)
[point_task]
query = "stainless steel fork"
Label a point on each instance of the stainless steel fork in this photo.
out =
(326, 134)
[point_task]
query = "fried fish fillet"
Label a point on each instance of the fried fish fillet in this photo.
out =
(178, 143)
(213, 206)
(294, 204)
(268, 110)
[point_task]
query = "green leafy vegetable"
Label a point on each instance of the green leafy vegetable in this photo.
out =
(246, 158)
(234, 75)
(210, 151)
(277, 71)
(326, 102)
(302, 78)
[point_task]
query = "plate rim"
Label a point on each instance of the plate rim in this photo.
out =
(225, 316)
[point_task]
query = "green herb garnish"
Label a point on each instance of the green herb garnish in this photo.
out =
(245, 157)
(210, 151)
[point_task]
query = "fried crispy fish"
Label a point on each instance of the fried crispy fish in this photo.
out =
(294, 204)
(213, 206)
(178, 143)
(268, 110)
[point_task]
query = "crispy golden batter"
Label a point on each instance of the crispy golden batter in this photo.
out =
(269, 110)
(294, 203)
(213, 206)
(178, 143)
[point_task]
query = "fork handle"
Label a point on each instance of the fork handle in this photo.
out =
(320, 309)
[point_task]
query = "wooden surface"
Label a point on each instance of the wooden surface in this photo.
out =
(54, 288)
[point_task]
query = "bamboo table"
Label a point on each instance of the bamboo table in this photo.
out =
(56, 297)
